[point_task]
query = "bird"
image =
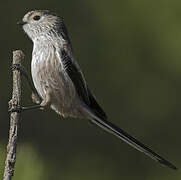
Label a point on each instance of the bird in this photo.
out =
(59, 80)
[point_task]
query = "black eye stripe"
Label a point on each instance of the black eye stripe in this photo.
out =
(36, 18)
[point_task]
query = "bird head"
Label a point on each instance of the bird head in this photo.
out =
(41, 23)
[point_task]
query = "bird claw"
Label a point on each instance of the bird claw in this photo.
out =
(15, 108)
(17, 67)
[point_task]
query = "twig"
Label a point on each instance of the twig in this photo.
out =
(15, 102)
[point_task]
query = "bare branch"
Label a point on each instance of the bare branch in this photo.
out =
(14, 103)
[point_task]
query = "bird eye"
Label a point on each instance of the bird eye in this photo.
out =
(36, 17)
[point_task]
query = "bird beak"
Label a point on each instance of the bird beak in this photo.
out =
(21, 22)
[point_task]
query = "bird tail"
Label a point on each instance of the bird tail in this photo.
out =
(111, 128)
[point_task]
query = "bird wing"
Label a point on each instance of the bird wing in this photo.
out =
(73, 70)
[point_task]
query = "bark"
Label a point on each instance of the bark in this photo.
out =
(15, 115)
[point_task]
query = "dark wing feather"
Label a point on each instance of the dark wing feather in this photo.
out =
(75, 75)
(95, 107)
(78, 80)
(64, 33)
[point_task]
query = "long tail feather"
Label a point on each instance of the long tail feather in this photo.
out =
(111, 128)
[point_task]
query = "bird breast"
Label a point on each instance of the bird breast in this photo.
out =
(48, 75)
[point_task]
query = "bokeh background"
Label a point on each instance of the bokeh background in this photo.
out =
(130, 53)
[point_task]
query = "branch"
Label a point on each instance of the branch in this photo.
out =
(15, 102)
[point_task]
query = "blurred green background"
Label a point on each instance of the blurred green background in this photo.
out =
(130, 53)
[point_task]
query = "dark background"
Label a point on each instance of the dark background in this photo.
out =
(130, 53)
